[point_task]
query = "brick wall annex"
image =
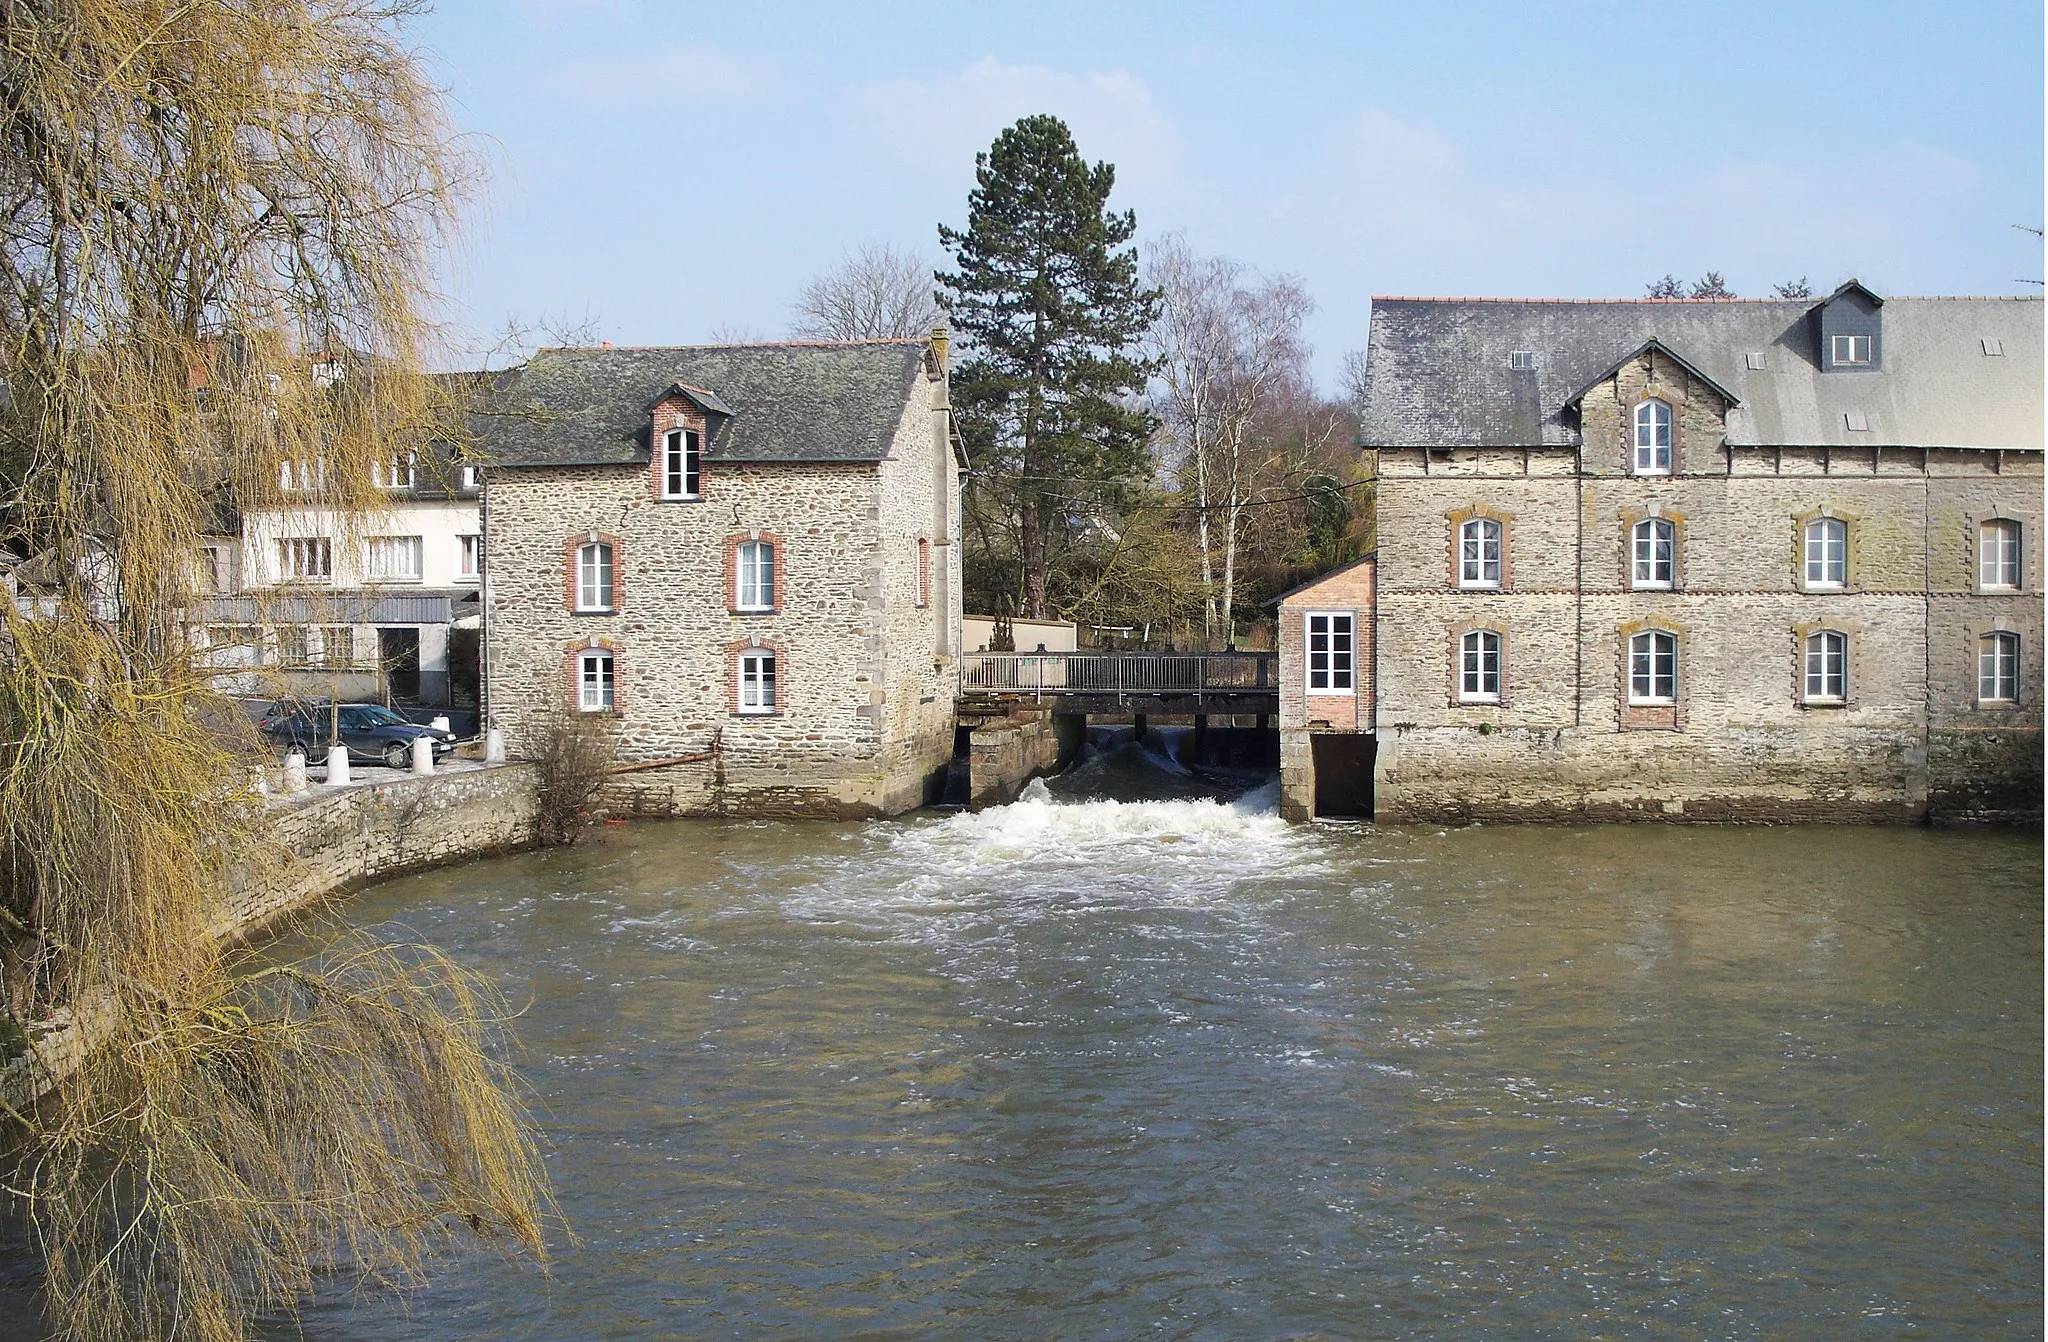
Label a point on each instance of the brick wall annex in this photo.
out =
(1910, 739)
(866, 672)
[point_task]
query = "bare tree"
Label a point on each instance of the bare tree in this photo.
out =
(1798, 288)
(875, 293)
(1227, 341)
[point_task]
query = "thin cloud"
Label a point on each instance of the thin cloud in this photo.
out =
(674, 72)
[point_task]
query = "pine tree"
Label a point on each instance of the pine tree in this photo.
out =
(1051, 310)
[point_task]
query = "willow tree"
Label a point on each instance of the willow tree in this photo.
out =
(221, 217)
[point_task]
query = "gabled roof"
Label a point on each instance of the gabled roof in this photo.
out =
(1321, 578)
(707, 401)
(821, 402)
(1858, 287)
(1438, 374)
(1638, 352)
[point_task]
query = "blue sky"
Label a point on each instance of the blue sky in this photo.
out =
(675, 169)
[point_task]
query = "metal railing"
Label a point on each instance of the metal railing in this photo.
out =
(1048, 673)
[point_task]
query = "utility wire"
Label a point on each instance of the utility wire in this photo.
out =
(1195, 507)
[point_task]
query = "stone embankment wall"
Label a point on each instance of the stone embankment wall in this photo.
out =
(322, 842)
(1004, 755)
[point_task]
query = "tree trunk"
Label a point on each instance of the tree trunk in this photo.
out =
(1031, 543)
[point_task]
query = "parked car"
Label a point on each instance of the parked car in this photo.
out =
(372, 732)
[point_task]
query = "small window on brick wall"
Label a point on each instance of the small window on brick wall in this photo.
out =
(754, 576)
(1998, 556)
(595, 573)
(1479, 546)
(1653, 668)
(1827, 667)
(682, 464)
(1651, 545)
(757, 681)
(596, 681)
(1998, 668)
(1827, 553)
(1479, 667)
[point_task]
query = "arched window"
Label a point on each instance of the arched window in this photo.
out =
(1827, 667)
(1650, 547)
(1998, 555)
(594, 577)
(1827, 553)
(1479, 553)
(681, 464)
(1998, 668)
(1653, 668)
(755, 579)
(1653, 438)
(596, 689)
(1479, 667)
(757, 681)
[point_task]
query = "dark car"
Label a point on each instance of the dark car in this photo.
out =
(371, 732)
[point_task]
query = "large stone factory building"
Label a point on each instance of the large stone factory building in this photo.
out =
(744, 558)
(1773, 559)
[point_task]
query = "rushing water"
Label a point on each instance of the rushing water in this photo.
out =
(1171, 1068)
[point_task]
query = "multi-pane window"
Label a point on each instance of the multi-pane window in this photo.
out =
(1650, 549)
(1653, 438)
(1330, 652)
(594, 576)
(596, 689)
(1827, 667)
(295, 476)
(1479, 553)
(295, 646)
(1998, 555)
(470, 557)
(1479, 667)
(395, 559)
(756, 576)
(305, 559)
(1653, 668)
(393, 474)
(337, 645)
(681, 464)
(471, 478)
(1852, 349)
(1827, 552)
(1998, 668)
(757, 682)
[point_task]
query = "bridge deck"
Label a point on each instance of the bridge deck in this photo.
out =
(1188, 682)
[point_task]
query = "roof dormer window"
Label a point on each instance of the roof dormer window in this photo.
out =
(1851, 349)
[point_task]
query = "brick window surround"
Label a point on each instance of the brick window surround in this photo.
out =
(1454, 532)
(733, 652)
(1800, 523)
(1631, 518)
(1801, 634)
(572, 577)
(1649, 717)
(1458, 631)
(1998, 552)
(778, 572)
(572, 674)
(669, 414)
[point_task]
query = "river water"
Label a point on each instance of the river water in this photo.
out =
(1171, 1068)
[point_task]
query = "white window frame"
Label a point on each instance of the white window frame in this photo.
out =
(757, 688)
(469, 557)
(395, 473)
(682, 464)
(1644, 540)
(395, 559)
(1482, 543)
(1644, 676)
(596, 577)
(1998, 555)
(1479, 659)
(1846, 348)
(1826, 670)
(596, 680)
(1653, 419)
(299, 475)
(1998, 667)
(1336, 661)
(470, 478)
(305, 559)
(1825, 550)
(754, 575)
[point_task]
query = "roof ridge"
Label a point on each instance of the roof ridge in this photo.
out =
(1594, 302)
(734, 344)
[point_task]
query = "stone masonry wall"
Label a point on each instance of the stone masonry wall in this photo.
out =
(324, 842)
(863, 718)
(1741, 742)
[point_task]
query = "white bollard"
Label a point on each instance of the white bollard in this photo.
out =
(337, 765)
(494, 747)
(423, 754)
(440, 722)
(294, 771)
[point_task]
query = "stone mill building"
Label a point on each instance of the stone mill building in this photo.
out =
(743, 557)
(1696, 559)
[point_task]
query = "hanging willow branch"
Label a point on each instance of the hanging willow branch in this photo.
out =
(219, 220)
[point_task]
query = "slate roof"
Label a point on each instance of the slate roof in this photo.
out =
(1437, 371)
(789, 402)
